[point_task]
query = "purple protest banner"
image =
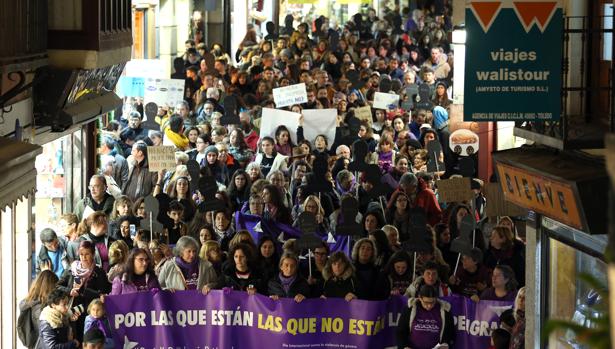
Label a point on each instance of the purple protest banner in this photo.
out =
(229, 319)
(474, 321)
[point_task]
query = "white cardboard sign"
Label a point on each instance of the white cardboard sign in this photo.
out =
(289, 95)
(164, 91)
(272, 118)
(319, 121)
(384, 100)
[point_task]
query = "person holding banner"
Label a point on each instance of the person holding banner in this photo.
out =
(288, 284)
(187, 271)
(340, 279)
(426, 322)
(138, 274)
(504, 285)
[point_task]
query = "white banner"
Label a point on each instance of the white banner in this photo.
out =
(164, 91)
(272, 118)
(385, 100)
(145, 68)
(319, 121)
(289, 95)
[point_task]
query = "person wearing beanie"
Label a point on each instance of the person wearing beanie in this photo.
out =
(52, 255)
(440, 118)
(472, 276)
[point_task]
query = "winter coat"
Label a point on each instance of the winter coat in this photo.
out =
(52, 335)
(231, 280)
(171, 275)
(122, 286)
(94, 287)
(140, 181)
(35, 312)
(106, 206)
(404, 326)
(299, 286)
(339, 287)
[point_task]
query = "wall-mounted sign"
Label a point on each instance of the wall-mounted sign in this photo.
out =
(513, 60)
(543, 195)
(463, 142)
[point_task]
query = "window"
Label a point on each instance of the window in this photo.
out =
(568, 297)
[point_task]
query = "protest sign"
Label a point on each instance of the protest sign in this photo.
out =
(319, 121)
(129, 86)
(289, 95)
(364, 114)
(229, 319)
(272, 118)
(386, 101)
(164, 91)
(146, 68)
(161, 157)
(454, 189)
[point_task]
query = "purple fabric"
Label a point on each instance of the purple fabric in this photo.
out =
(220, 319)
(426, 327)
(385, 161)
(287, 281)
(190, 272)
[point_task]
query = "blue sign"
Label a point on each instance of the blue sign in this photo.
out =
(513, 61)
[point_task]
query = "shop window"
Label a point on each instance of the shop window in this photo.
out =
(569, 297)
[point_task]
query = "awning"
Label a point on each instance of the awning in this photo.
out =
(569, 187)
(18, 173)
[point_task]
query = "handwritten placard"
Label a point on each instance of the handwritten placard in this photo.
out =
(161, 157)
(386, 100)
(290, 95)
(364, 114)
(454, 190)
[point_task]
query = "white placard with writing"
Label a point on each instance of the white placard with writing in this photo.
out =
(385, 100)
(289, 95)
(164, 91)
(272, 118)
(317, 122)
(161, 157)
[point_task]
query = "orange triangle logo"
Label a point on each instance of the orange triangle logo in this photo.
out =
(539, 11)
(485, 12)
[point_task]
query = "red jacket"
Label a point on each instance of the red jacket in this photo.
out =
(426, 199)
(252, 140)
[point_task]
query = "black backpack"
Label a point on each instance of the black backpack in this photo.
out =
(25, 328)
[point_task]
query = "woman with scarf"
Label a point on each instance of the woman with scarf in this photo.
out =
(288, 283)
(223, 228)
(186, 271)
(138, 274)
(84, 281)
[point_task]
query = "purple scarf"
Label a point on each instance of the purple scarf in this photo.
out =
(287, 282)
(190, 272)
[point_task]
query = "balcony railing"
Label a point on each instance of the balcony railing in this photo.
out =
(23, 30)
(105, 25)
(587, 90)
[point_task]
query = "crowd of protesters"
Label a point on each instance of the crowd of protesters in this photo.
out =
(104, 249)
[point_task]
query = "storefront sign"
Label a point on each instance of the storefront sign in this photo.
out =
(551, 198)
(513, 66)
(161, 157)
(290, 95)
(498, 206)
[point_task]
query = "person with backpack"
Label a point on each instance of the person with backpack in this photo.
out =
(30, 308)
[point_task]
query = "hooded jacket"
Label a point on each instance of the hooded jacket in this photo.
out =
(53, 334)
(404, 326)
(339, 287)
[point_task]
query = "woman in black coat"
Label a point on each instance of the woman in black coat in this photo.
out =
(340, 281)
(288, 283)
(242, 274)
(84, 281)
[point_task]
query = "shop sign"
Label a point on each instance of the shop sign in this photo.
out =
(513, 65)
(543, 195)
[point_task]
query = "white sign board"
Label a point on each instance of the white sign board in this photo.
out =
(161, 157)
(145, 68)
(164, 91)
(272, 118)
(317, 122)
(385, 100)
(289, 95)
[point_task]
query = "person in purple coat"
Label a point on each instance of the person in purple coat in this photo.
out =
(138, 275)
(426, 322)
